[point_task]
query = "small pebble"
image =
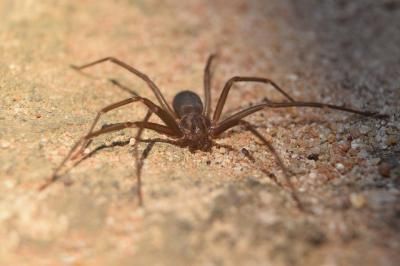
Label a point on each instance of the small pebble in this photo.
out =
(357, 200)
(391, 140)
(384, 169)
(245, 152)
(69, 259)
(292, 77)
(4, 144)
(132, 141)
(339, 166)
(9, 184)
(237, 169)
(313, 156)
(313, 175)
(357, 144)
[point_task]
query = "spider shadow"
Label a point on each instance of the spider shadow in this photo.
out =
(143, 156)
(249, 156)
(150, 144)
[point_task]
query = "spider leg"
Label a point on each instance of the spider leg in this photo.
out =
(138, 161)
(164, 116)
(251, 158)
(278, 159)
(141, 75)
(207, 86)
(111, 128)
(122, 87)
(235, 118)
(230, 82)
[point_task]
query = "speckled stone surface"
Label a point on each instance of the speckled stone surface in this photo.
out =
(217, 208)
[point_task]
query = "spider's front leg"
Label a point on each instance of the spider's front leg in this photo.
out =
(162, 114)
(141, 75)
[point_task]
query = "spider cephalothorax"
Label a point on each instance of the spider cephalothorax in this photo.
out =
(193, 124)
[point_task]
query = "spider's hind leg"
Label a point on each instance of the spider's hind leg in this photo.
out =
(286, 172)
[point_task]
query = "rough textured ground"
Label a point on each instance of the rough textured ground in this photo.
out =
(214, 208)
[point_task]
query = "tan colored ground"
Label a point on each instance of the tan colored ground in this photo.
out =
(204, 208)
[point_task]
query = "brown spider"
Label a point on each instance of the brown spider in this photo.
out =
(189, 123)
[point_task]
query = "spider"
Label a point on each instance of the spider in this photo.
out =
(188, 123)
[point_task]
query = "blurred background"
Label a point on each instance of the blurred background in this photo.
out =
(214, 208)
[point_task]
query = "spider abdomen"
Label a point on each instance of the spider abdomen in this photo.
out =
(187, 102)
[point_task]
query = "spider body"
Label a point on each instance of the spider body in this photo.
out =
(189, 122)
(193, 124)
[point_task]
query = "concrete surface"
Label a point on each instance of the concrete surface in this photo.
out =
(201, 208)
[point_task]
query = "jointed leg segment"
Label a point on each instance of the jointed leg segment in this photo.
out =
(141, 75)
(164, 116)
(260, 137)
(207, 86)
(235, 118)
(228, 86)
